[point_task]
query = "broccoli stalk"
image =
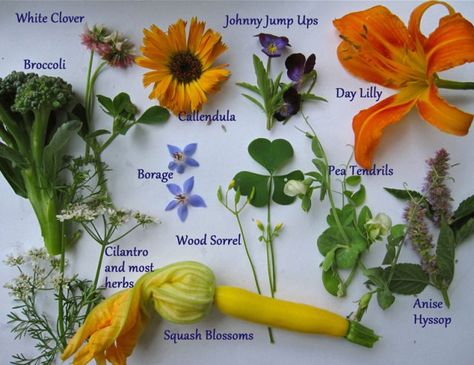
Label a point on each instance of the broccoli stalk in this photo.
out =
(34, 135)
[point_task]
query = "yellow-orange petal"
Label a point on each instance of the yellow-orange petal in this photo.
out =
(450, 45)
(211, 80)
(196, 31)
(369, 123)
(436, 111)
(376, 45)
(416, 15)
(177, 36)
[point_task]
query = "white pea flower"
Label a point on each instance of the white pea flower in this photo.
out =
(378, 226)
(295, 187)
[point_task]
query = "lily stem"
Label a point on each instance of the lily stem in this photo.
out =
(454, 85)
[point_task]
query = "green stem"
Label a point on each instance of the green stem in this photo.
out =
(62, 332)
(107, 142)
(270, 248)
(454, 85)
(96, 278)
(89, 90)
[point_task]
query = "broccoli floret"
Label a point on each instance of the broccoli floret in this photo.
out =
(42, 92)
(10, 84)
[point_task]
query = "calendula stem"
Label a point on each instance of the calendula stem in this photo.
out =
(454, 85)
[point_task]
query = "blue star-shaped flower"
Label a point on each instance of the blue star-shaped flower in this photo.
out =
(182, 158)
(183, 198)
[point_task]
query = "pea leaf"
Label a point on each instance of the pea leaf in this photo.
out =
(376, 276)
(331, 282)
(317, 148)
(385, 298)
(346, 257)
(328, 260)
(154, 115)
(445, 255)
(408, 279)
(358, 197)
(271, 154)
(328, 240)
(353, 180)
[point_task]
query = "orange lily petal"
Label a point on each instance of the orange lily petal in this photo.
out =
(369, 124)
(442, 115)
(416, 15)
(450, 45)
(375, 47)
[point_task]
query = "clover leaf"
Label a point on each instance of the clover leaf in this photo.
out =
(272, 155)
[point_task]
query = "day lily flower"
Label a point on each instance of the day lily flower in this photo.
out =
(291, 106)
(183, 198)
(379, 48)
(298, 67)
(182, 158)
(112, 329)
(272, 44)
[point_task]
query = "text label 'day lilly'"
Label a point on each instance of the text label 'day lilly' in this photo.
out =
(266, 21)
(58, 17)
(363, 93)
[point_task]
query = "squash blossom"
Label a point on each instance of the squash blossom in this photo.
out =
(376, 46)
(184, 292)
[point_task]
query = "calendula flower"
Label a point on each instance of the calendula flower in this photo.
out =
(379, 48)
(272, 44)
(182, 158)
(111, 329)
(183, 198)
(182, 69)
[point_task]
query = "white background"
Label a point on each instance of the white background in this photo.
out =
(404, 147)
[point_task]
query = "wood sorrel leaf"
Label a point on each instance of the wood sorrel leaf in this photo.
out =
(154, 115)
(246, 181)
(408, 279)
(271, 154)
(279, 182)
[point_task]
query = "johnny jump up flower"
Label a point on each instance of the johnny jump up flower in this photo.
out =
(291, 105)
(183, 198)
(182, 158)
(272, 45)
(298, 67)
(182, 70)
(379, 48)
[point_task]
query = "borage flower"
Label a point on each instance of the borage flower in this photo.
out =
(379, 48)
(299, 68)
(272, 45)
(182, 158)
(291, 105)
(112, 329)
(183, 198)
(182, 70)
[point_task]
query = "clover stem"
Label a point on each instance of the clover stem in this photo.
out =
(454, 85)
(62, 263)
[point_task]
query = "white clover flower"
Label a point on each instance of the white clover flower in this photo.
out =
(378, 226)
(295, 188)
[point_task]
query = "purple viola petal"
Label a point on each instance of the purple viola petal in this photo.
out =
(180, 168)
(173, 149)
(171, 205)
(265, 39)
(174, 189)
(188, 185)
(172, 165)
(190, 149)
(183, 212)
(295, 64)
(271, 53)
(281, 42)
(309, 65)
(196, 201)
(293, 100)
(191, 162)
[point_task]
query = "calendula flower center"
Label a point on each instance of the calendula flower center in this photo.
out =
(185, 67)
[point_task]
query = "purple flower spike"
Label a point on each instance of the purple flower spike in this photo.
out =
(272, 45)
(298, 66)
(291, 106)
(182, 158)
(183, 198)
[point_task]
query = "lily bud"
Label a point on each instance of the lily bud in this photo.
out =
(295, 187)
